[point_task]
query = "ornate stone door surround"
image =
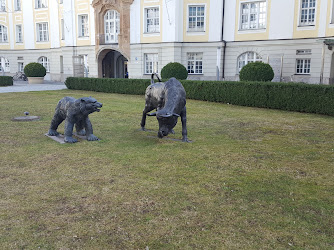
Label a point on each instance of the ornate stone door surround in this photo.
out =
(123, 8)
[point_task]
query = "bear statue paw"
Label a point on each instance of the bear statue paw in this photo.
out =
(53, 132)
(92, 138)
(70, 139)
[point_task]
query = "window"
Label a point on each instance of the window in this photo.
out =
(152, 22)
(253, 15)
(195, 63)
(41, 4)
(151, 63)
(17, 5)
(246, 58)
(3, 34)
(196, 18)
(4, 65)
(42, 32)
(307, 12)
(45, 62)
(62, 24)
(111, 26)
(303, 66)
(20, 67)
(83, 25)
(2, 5)
(19, 38)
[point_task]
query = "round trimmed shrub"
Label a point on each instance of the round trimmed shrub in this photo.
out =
(34, 70)
(174, 69)
(257, 71)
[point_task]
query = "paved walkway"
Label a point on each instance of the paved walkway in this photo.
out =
(24, 86)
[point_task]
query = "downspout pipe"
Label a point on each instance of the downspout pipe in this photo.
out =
(222, 38)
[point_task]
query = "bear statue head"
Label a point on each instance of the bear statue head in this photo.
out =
(89, 105)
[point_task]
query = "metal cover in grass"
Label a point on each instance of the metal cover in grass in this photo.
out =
(26, 118)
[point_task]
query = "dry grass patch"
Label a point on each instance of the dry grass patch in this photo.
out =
(252, 178)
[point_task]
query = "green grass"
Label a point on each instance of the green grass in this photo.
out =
(252, 179)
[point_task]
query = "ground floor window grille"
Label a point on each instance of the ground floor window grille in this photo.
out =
(20, 67)
(195, 63)
(45, 62)
(303, 66)
(4, 65)
(248, 57)
(151, 63)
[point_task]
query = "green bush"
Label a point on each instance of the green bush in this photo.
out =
(257, 71)
(109, 85)
(34, 70)
(174, 69)
(6, 81)
(299, 97)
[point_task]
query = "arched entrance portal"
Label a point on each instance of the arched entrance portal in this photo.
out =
(112, 64)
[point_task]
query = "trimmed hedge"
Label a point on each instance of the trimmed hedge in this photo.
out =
(6, 81)
(299, 97)
(34, 69)
(257, 71)
(174, 69)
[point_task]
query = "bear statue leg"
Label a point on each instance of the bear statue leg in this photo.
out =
(89, 131)
(80, 128)
(69, 132)
(56, 120)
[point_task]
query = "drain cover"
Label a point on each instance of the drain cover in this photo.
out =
(26, 118)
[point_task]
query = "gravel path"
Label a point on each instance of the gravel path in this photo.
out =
(24, 86)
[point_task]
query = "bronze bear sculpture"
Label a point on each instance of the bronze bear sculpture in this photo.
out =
(75, 112)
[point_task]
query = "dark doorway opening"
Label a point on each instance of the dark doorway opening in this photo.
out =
(114, 65)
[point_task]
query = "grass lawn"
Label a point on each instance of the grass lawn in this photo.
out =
(251, 179)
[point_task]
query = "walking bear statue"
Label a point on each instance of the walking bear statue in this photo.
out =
(75, 112)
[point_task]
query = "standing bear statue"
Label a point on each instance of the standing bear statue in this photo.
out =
(75, 112)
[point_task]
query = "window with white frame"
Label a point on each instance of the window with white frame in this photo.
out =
(4, 65)
(83, 25)
(152, 20)
(2, 5)
(41, 4)
(45, 62)
(196, 18)
(307, 12)
(303, 66)
(151, 63)
(111, 26)
(19, 36)
(195, 63)
(42, 32)
(253, 15)
(3, 34)
(20, 67)
(17, 5)
(248, 57)
(62, 25)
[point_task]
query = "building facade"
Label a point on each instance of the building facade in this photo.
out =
(213, 39)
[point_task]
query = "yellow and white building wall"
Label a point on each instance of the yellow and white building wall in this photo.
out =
(172, 40)
(296, 33)
(61, 44)
(297, 45)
